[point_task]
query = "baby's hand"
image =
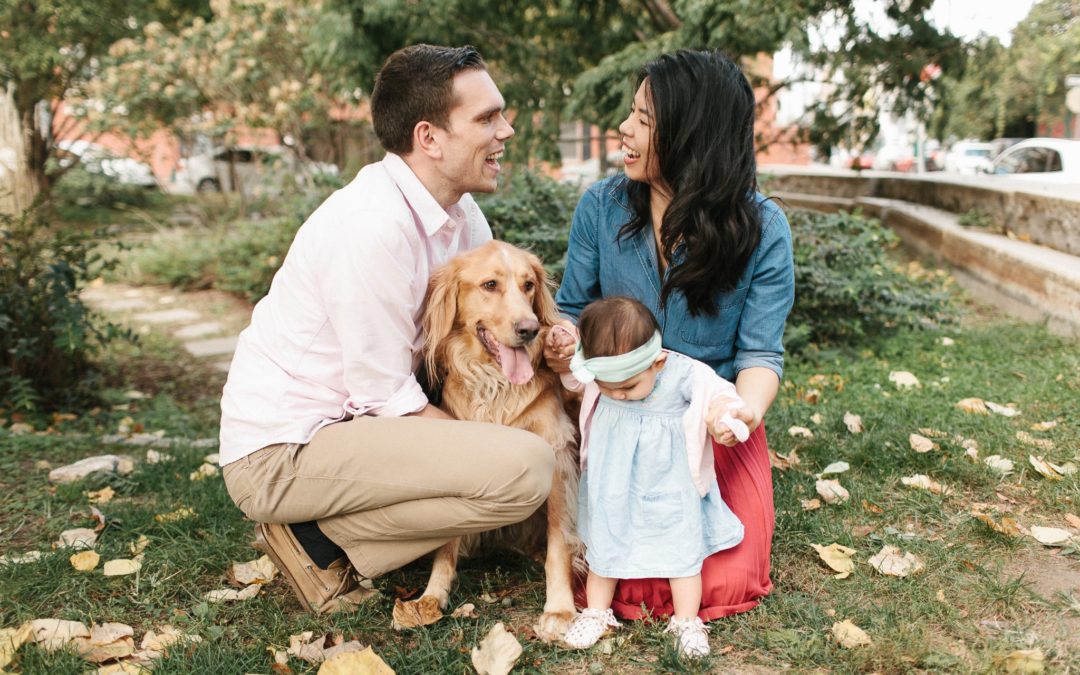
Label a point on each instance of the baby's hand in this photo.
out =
(559, 346)
(725, 428)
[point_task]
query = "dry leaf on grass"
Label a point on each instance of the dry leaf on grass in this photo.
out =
(52, 634)
(921, 443)
(832, 492)
(838, 558)
(98, 517)
(1044, 468)
(923, 482)
(1044, 426)
(1050, 536)
(213, 458)
(122, 566)
(1007, 526)
(139, 545)
(810, 504)
(466, 611)
(233, 595)
(155, 644)
(947, 341)
(783, 462)
(10, 641)
(1072, 520)
(999, 464)
(106, 642)
(255, 572)
(155, 457)
(123, 668)
(932, 433)
(205, 470)
(77, 538)
(800, 431)
(1003, 410)
(102, 496)
(893, 562)
(853, 423)
(1041, 443)
(834, 468)
(363, 662)
(497, 652)
(414, 613)
(1024, 661)
(816, 418)
(975, 406)
(85, 561)
(173, 516)
(848, 635)
(903, 379)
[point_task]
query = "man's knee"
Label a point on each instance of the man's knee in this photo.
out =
(539, 461)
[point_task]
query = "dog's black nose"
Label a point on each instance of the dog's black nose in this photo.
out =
(526, 329)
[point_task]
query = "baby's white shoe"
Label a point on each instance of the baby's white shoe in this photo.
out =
(691, 637)
(588, 627)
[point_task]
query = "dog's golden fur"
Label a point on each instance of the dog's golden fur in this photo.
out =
(500, 294)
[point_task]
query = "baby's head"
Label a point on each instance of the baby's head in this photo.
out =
(619, 348)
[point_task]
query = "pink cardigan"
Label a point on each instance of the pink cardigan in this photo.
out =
(707, 385)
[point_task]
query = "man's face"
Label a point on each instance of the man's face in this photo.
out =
(476, 134)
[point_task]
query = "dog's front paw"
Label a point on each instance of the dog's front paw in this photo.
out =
(552, 625)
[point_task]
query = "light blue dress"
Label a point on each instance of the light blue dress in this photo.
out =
(639, 513)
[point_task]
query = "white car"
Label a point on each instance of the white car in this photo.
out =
(243, 168)
(1046, 160)
(100, 160)
(969, 157)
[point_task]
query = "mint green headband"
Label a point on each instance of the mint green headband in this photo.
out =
(615, 368)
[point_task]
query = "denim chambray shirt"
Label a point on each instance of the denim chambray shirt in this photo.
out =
(748, 328)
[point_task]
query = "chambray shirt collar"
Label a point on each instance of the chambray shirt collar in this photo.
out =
(431, 215)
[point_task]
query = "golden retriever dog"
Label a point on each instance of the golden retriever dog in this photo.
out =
(487, 313)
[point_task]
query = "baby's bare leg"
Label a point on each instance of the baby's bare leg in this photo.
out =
(685, 596)
(599, 590)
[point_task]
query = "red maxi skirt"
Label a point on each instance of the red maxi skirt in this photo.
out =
(733, 580)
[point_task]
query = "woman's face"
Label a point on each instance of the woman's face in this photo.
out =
(640, 159)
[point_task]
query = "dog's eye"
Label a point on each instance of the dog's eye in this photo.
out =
(529, 286)
(490, 285)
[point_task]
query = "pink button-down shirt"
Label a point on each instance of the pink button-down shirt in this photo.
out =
(339, 332)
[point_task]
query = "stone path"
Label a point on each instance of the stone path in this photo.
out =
(207, 323)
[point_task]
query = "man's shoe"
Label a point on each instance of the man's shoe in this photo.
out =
(317, 589)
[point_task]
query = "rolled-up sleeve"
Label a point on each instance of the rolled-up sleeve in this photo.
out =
(367, 287)
(581, 280)
(759, 341)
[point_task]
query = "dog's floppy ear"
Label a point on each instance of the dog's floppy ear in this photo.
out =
(543, 302)
(440, 312)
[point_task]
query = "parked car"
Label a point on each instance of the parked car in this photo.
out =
(100, 160)
(1047, 160)
(969, 157)
(244, 168)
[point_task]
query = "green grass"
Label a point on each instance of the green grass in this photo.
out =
(997, 596)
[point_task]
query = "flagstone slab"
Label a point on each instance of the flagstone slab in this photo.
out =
(212, 347)
(168, 316)
(198, 330)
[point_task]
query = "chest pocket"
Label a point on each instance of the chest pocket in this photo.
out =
(712, 338)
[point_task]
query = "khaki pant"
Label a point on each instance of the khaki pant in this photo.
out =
(389, 490)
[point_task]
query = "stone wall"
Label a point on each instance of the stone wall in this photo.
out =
(1051, 220)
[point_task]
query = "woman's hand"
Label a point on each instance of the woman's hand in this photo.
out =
(560, 345)
(719, 430)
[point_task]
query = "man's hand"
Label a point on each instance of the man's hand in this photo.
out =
(559, 346)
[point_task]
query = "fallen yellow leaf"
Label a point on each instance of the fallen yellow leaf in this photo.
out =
(139, 545)
(53, 634)
(1050, 536)
(85, 561)
(232, 595)
(155, 644)
(497, 652)
(783, 462)
(999, 464)
(810, 504)
(121, 567)
(838, 558)
(1072, 520)
(1024, 661)
(1007, 526)
(1044, 468)
(106, 642)
(1044, 426)
(923, 482)
(204, 471)
(921, 444)
(77, 538)
(890, 562)
(365, 662)
(465, 611)
(102, 496)
(832, 492)
(903, 379)
(414, 613)
(1003, 410)
(1041, 443)
(975, 406)
(255, 572)
(10, 641)
(173, 516)
(848, 635)
(800, 431)
(853, 423)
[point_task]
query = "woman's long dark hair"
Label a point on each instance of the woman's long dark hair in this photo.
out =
(703, 116)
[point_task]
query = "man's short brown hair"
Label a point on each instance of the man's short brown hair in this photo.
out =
(416, 84)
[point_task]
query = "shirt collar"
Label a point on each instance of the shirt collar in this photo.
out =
(432, 216)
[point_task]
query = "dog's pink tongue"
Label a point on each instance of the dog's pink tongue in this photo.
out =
(515, 364)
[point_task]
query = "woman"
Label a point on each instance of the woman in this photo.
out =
(685, 232)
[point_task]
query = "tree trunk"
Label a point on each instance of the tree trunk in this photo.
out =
(19, 184)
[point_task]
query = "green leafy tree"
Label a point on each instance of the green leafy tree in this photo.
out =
(48, 53)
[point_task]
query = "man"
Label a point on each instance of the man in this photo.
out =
(327, 439)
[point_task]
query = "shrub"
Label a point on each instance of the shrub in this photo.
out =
(81, 189)
(848, 287)
(533, 211)
(47, 335)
